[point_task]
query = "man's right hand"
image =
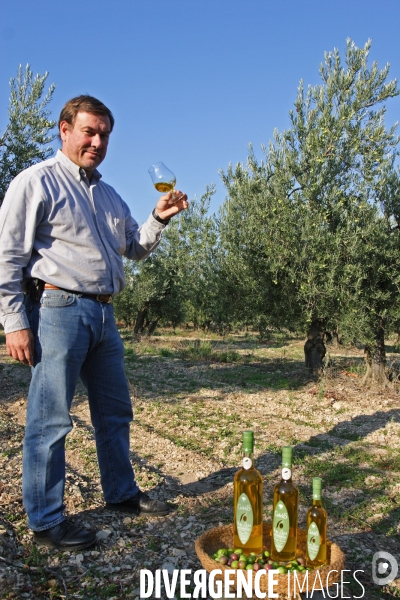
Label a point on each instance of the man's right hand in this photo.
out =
(21, 346)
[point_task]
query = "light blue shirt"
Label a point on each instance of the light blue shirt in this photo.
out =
(57, 226)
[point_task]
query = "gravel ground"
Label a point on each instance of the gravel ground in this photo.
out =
(192, 399)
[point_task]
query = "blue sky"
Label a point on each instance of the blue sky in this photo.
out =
(190, 82)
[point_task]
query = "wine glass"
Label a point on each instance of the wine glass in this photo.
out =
(163, 179)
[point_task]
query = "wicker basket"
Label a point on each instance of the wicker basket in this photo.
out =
(222, 537)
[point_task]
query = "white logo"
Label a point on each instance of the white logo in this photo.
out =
(247, 462)
(381, 562)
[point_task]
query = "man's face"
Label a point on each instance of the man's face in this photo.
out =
(85, 143)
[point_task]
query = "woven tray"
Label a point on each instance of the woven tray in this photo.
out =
(222, 537)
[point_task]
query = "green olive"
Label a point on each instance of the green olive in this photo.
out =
(283, 570)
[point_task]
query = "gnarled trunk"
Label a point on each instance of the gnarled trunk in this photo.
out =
(314, 348)
(375, 358)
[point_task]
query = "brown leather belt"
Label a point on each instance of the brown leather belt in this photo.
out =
(105, 298)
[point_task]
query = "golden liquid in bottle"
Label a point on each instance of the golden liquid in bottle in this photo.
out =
(249, 482)
(287, 492)
(165, 186)
(317, 514)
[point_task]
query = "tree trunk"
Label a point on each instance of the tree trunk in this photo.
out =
(375, 358)
(152, 326)
(336, 340)
(314, 348)
(139, 324)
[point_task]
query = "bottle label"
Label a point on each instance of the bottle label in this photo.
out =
(247, 462)
(313, 541)
(286, 474)
(244, 518)
(280, 526)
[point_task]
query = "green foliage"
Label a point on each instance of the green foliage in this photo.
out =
(174, 284)
(303, 232)
(308, 234)
(125, 306)
(27, 135)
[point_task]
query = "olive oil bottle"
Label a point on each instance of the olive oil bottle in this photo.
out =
(316, 554)
(248, 501)
(284, 523)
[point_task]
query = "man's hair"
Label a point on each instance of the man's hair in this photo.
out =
(84, 103)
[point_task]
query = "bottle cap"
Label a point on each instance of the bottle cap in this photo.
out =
(317, 484)
(248, 442)
(287, 452)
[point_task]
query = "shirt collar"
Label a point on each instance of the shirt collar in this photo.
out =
(75, 169)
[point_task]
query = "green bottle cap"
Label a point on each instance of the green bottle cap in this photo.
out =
(248, 442)
(316, 488)
(287, 452)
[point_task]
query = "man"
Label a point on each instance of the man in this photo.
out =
(63, 234)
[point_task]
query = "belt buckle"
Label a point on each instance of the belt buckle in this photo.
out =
(108, 301)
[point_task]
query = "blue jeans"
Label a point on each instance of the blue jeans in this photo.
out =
(74, 337)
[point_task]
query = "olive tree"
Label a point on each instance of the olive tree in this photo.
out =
(174, 284)
(27, 136)
(302, 211)
(339, 152)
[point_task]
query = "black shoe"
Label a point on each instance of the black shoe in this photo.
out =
(65, 537)
(141, 504)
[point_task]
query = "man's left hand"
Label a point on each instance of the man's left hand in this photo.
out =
(171, 204)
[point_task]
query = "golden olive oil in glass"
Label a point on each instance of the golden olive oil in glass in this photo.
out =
(165, 186)
(285, 514)
(248, 501)
(316, 554)
(163, 179)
